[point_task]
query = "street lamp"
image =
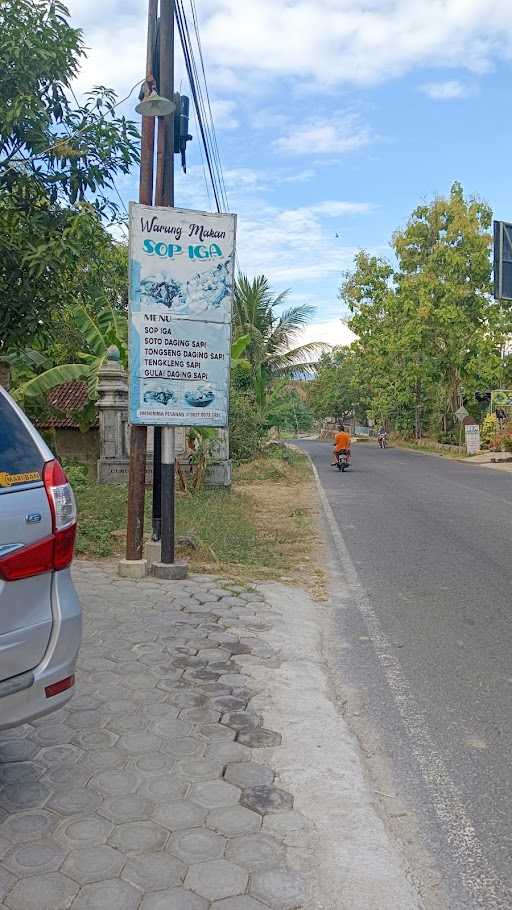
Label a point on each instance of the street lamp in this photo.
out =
(154, 105)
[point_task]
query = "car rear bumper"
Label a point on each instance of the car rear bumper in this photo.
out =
(30, 700)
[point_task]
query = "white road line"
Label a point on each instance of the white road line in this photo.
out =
(479, 877)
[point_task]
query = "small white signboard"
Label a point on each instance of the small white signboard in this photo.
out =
(472, 439)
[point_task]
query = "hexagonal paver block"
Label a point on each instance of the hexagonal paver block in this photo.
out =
(197, 845)
(248, 774)
(64, 775)
(242, 720)
(104, 759)
(152, 764)
(110, 895)
(167, 787)
(217, 731)
(115, 783)
(234, 820)
(95, 739)
(180, 815)
(265, 799)
(185, 745)
(65, 754)
(256, 851)
(154, 871)
(242, 902)
(135, 743)
(72, 802)
(20, 772)
(176, 899)
(84, 832)
(214, 794)
(171, 726)
(93, 864)
(126, 723)
(24, 796)
(228, 752)
(29, 825)
(216, 879)
(279, 889)
(50, 890)
(17, 750)
(53, 734)
(138, 836)
(40, 856)
(7, 881)
(121, 809)
(259, 738)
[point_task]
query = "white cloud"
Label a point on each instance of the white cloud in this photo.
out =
(446, 91)
(339, 135)
(333, 332)
(325, 41)
(224, 117)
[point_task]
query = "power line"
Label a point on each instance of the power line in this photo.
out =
(214, 133)
(180, 15)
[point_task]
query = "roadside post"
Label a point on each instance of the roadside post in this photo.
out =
(472, 435)
(134, 565)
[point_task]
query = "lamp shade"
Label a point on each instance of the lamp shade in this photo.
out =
(155, 106)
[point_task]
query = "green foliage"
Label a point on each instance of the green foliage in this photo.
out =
(337, 388)
(109, 329)
(506, 443)
(489, 429)
(246, 427)
(429, 334)
(285, 409)
(58, 163)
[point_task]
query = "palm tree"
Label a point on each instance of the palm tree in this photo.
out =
(270, 350)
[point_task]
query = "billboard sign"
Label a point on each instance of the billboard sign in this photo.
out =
(502, 260)
(180, 303)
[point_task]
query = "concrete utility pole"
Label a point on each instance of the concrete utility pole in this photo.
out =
(138, 434)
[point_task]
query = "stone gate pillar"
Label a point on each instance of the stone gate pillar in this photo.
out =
(113, 419)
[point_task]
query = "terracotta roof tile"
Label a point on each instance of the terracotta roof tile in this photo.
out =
(70, 398)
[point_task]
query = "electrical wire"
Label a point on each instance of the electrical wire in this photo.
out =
(213, 130)
(180, 16)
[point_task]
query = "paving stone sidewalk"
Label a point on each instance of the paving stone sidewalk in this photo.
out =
(148, 790)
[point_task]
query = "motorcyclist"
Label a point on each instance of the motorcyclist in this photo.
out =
(342, 442)
(382, 434)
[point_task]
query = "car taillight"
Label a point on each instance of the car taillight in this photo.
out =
(51, 553)
(60, 496)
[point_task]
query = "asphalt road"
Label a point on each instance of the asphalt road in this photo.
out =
(428, 638)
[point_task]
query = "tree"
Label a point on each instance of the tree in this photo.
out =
(429, 330)
(270, 351)
(58, 163)
(337, 387)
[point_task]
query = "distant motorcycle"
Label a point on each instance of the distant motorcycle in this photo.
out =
(342, 460)
(382, 439)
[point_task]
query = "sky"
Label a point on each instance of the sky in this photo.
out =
(334, 118)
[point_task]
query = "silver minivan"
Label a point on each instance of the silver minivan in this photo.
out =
(40, 620)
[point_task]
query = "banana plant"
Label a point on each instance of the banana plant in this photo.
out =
(106, 330)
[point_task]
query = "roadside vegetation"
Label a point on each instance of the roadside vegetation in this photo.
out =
(430, 336)
(265, 527)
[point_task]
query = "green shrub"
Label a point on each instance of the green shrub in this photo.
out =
(246, 429)
(506, 443)
(489, 430)
(77, 474)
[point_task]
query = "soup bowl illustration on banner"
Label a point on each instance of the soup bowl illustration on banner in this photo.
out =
(199, 397)
(200, 294)
(159, 396)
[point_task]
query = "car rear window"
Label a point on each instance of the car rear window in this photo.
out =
(20, 459)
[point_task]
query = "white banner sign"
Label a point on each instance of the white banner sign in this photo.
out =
(180, 302)
(472, 432)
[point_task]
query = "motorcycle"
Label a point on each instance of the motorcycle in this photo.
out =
(382, 439)
(342, 460)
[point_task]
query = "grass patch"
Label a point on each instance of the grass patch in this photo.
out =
(265, 527)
